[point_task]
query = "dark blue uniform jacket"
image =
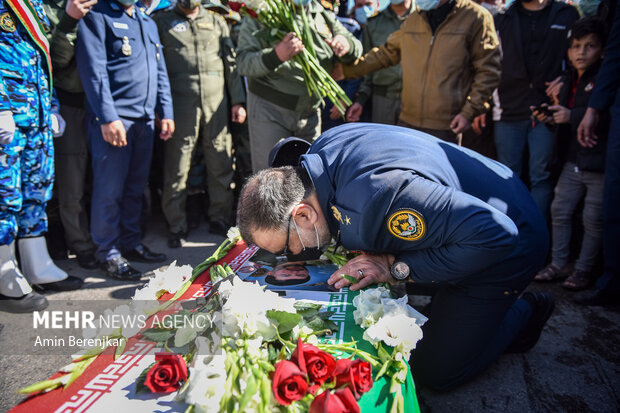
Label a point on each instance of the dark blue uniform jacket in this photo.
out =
(130, 84)
(451, 214)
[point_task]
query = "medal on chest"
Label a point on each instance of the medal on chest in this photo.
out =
(126, 48)
(6, 23)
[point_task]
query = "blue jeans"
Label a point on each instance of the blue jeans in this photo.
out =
(511, 139)
(120, 175)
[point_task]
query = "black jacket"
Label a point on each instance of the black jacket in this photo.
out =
(569, 149)
(517, 91)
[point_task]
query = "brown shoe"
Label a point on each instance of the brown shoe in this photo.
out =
(552, 273)
(578, 280)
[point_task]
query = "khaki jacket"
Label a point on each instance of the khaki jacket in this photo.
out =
(200, 58)
(453, 71)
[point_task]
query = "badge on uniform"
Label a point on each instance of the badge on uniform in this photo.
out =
(407, 224)
(206, 26)
(6, 23)
(589, 87)
(179, 27)
(126, 48)
(323, 29)
(338, 215)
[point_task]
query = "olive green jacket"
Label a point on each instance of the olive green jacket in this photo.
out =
(386, 82)
(62, 48)
(280, 82)
(200, 59)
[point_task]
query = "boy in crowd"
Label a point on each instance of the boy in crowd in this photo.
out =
(582, 174)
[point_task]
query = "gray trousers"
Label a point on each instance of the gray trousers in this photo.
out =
(571, 188)
(71, 161)
(270, 123)
(385, 110)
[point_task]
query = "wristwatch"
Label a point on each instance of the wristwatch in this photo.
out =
(399, 270)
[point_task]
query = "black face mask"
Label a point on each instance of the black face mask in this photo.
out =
(307, 253)
(189, 4)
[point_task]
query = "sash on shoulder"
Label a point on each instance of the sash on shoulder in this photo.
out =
(27, 15)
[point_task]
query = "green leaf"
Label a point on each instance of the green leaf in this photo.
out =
(42, 385)
(158, 334)
(250, 390)
(284, 320)
(184, 336)
(120, 348)
(350, 278)
(140, 386)
(318, 324)
(383, 370)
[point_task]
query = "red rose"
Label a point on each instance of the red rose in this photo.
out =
(235, 6)
(316, 363)
(166, 375)
(341, 401)
(252, 13)
(355, 374)
(289, 382)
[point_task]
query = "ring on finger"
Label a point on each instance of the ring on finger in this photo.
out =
(361, 273)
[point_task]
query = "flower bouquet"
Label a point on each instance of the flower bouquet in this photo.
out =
(279, 17)
(260, 352)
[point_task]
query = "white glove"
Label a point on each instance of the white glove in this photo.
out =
(58, 125)
(7, 127)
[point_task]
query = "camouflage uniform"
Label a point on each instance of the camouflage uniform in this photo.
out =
(27, 163)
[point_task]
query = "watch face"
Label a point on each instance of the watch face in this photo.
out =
(400, 270)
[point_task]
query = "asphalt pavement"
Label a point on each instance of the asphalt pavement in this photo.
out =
(575, 367)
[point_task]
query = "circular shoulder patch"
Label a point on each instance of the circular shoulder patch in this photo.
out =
(407, 224)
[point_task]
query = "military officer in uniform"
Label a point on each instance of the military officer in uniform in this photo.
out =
(415, 205)
(383, 86)
(279, 104)
(121, 64)
(28, 119)
(200, 59)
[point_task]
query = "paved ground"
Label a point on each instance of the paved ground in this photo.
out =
(574, 368)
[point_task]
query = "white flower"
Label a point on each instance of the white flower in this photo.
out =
(245, 309)
(398, 331)
(207, 381)
(167, 280)
(233, 232)
(368, 306)
(401, 306)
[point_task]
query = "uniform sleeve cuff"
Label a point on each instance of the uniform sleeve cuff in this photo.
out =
(67, 24)
(271, 60)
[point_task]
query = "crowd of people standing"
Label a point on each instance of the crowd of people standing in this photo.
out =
(121, 105)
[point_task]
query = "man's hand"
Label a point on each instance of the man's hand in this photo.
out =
(289, 47)
(114, 133)
(354, 113)
(479, 123)
(238, 113)
(553, 89)
(561, 114)
(541, 116)
(339, 44)
(585, 132)
(167, 129)
(79, 8)
(334, 113)
(7, 127)
(337, 72)
(58, 125)
(459, 124)
(375, 269)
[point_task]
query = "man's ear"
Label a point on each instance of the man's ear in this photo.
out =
(305, 215)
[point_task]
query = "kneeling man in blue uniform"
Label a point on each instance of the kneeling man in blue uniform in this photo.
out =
(425, 212)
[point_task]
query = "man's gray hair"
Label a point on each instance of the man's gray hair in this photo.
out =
(268, 197)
